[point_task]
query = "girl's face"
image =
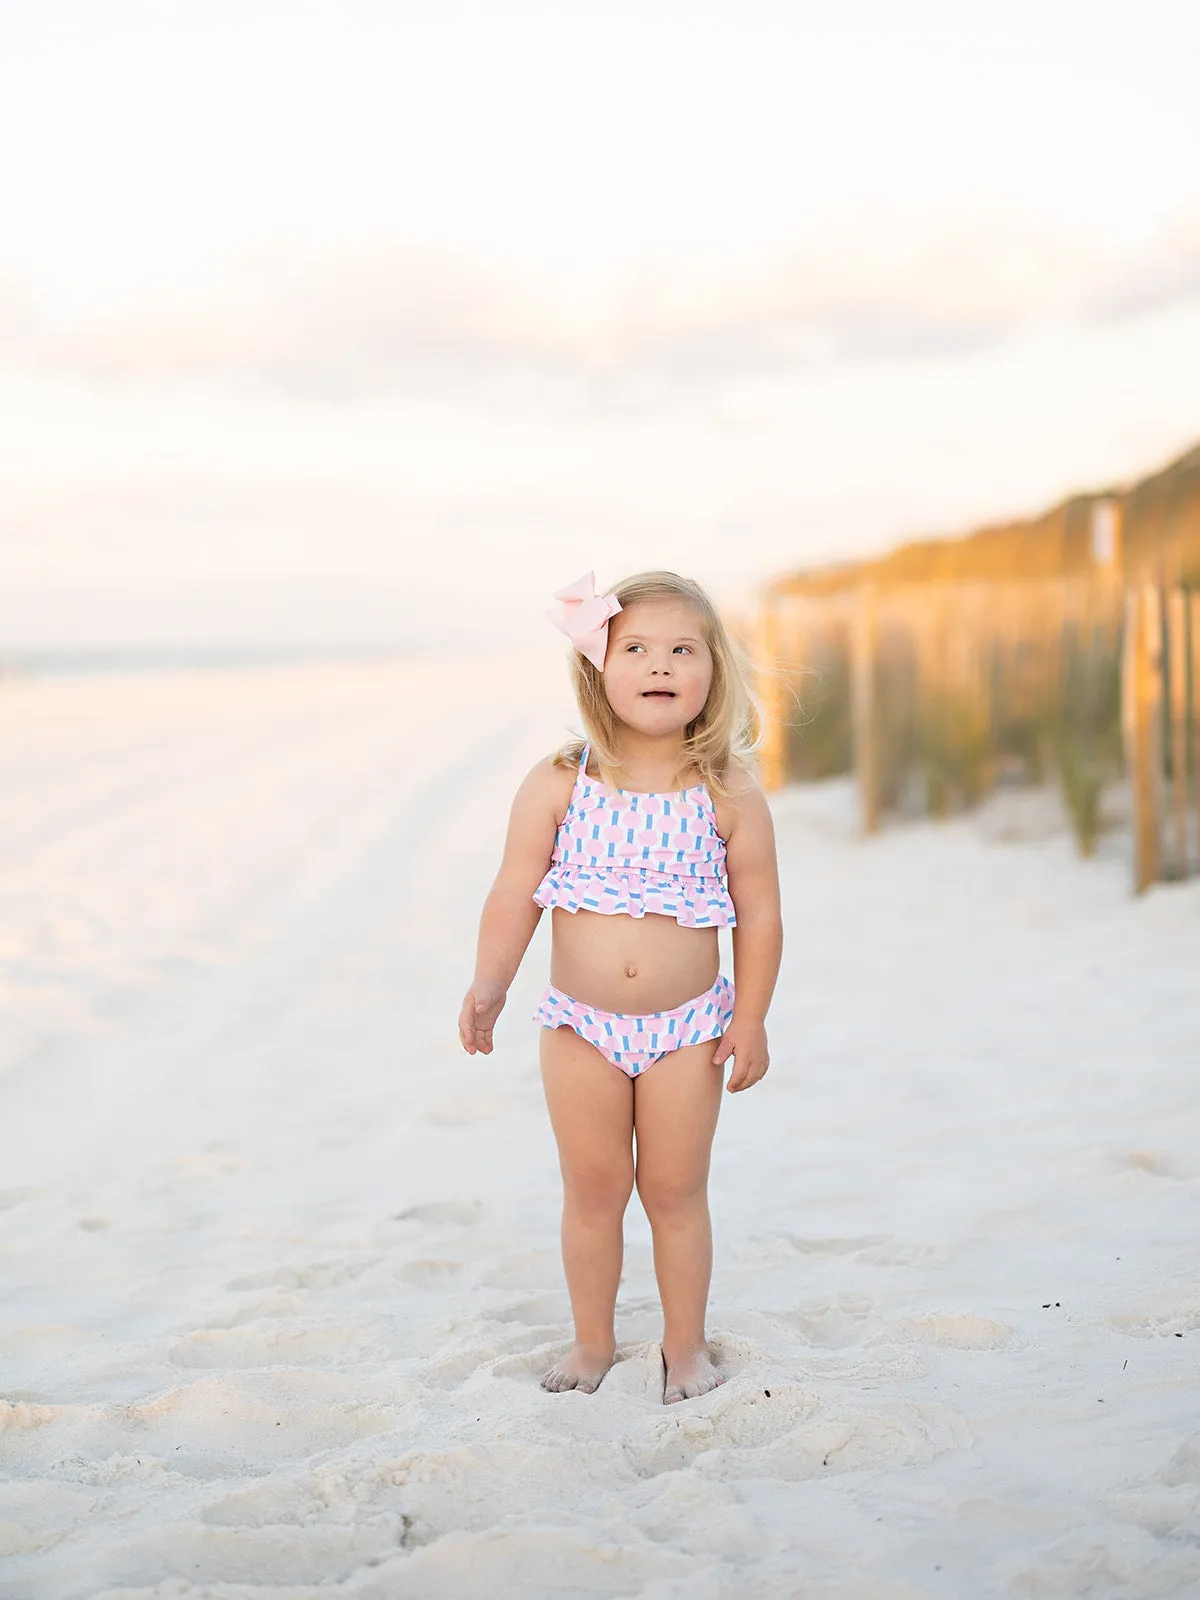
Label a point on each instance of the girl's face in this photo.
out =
(658, 668)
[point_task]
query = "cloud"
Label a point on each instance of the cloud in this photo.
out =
(1164, 273)
(393, 318)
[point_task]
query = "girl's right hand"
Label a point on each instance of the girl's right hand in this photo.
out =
(483, 1004)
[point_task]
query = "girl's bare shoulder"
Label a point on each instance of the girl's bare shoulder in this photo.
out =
(741, 798)
(550, 782)
(740, 781)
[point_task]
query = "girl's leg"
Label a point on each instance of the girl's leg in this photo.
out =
(676, 1105)
(591, 1111)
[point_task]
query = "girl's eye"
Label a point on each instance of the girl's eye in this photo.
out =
(686, 647)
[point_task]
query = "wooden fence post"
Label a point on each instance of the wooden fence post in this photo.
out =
(1177, 700)
(772, 755)
(1142, 708)
(865, 719)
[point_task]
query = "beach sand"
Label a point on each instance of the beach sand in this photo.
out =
(279, 1262)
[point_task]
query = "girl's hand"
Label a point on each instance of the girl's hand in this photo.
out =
(746, 1042)
(483, 1004)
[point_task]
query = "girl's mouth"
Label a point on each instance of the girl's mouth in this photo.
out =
(658, 694)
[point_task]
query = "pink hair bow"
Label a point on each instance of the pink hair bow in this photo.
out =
(583, 616)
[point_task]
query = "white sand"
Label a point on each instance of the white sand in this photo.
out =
(279, 1262)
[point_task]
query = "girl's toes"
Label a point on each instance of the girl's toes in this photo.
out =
(689, 1377)
(702, 1385)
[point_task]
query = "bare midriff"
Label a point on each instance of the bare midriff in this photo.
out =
(623, 963)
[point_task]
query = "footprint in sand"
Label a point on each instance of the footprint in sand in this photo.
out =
(834, 1246)
(876, 1249)
(1164, 1503)
(727, 1420)
(1121, 1561)
(1184, 1466)
(1151, 1161)
(428, 1272)
(851, 1440)
(1180, 1321)
(901, 1253)
(321, 1554)
(747, 1419)
(464, 1489)
(770, 1249)
(747, 1435)
(519, 1353)
(338, 1493)
(952, 1331)
(529, 1270)
(542, 1311)
(444, 1213)
(835, 1325)
(744, 1413)
(212, 1424)
(54, 1340)
(314, 1275)
(466, 1112)
(328, 1345)
(275, 1305)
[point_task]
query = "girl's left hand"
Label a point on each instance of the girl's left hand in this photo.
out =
(746, 1042)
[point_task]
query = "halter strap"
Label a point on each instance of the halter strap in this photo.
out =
(583, 760)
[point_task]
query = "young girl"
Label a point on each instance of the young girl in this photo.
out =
(644, 840)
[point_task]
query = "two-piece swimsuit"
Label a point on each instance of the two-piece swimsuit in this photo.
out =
(625, 852)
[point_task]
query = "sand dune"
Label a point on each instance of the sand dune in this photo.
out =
(279, 1263)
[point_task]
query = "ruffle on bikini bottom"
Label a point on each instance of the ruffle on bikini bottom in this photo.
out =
(634, 1041)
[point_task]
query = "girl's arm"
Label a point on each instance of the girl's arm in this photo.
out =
(510, 914)
(753, 872)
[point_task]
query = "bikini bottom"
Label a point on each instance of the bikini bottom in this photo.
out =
(634, 1042)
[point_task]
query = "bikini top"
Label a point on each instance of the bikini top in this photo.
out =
(622, 851)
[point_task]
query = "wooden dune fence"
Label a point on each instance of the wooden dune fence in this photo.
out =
(932, 694)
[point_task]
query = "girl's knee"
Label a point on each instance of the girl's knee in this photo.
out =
(598, 1191)
(672, 1194)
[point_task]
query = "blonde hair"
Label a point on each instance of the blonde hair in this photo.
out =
(726, 733)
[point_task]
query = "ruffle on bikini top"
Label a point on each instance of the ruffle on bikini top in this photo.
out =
(622, 852)
(694, 902)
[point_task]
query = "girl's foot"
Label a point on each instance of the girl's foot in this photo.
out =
(583, 1367)
(688, 1374)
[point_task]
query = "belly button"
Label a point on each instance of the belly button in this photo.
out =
(631, 972)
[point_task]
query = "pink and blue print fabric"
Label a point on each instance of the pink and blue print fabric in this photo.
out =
(622, 852)
(633, 1042)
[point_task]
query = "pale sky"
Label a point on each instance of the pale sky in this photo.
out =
(375, 309)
